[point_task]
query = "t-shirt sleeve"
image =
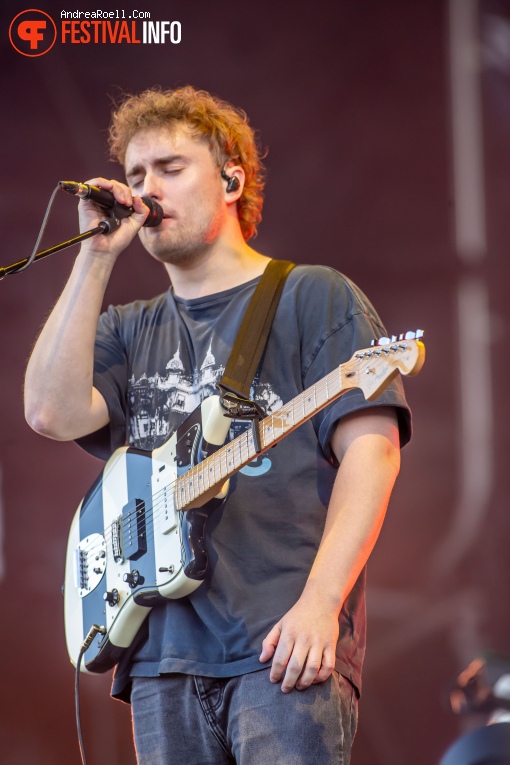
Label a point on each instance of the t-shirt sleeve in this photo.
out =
(110, 379)
(352, 324)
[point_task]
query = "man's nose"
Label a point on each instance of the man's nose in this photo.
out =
(151, 186)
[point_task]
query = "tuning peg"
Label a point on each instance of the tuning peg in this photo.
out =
(393, 339)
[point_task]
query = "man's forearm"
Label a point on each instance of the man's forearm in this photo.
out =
(303, 642)
(358, 504)
(59, 378)
(60, 400)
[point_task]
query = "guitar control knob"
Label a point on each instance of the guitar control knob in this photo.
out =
(111, 597)
(132, 578)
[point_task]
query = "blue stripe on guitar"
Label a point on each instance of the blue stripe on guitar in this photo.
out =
(139, 474)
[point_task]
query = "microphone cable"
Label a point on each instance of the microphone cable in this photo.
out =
(41, 234)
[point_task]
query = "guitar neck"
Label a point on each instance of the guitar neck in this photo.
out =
(225, 462)
(370, 369)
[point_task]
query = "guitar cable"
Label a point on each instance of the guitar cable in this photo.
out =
(94, 630)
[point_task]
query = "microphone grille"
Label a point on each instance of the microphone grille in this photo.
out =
(156, 213)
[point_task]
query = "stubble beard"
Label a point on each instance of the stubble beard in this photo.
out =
(184, 251)
(184, 244)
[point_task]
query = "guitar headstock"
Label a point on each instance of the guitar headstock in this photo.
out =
(372, 369)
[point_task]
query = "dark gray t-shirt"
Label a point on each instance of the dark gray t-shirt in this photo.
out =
(155, 362)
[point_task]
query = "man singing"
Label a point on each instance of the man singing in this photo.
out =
(261, 663)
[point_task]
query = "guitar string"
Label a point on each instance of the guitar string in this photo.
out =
(218, 459)
(158, 504)
(195, 474)
(243, 445)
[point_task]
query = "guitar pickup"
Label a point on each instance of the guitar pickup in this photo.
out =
(134, 529)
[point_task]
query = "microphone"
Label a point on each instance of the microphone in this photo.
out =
(107, 201)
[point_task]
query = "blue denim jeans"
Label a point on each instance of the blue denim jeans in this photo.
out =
(192, 720)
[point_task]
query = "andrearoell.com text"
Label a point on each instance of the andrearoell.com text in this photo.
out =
(99, 14)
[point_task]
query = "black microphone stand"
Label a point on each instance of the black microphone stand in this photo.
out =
(104, 227)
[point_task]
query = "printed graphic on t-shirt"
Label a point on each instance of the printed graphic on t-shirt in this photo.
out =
(159, 404)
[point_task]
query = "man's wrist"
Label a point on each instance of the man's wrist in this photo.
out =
(100, 259)
(325, 594)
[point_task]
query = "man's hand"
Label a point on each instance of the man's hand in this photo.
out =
(303, 643)
(90, 215)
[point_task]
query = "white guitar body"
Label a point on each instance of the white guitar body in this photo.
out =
(149, 552)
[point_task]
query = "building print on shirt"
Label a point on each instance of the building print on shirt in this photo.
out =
(159, 404)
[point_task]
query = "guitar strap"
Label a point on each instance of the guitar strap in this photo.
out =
(252, 336)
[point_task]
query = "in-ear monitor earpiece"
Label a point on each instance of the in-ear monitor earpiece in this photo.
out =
(232, 181)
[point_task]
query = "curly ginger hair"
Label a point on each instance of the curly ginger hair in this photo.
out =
(208, 118)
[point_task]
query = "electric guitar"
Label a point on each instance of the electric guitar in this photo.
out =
(138, 537)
